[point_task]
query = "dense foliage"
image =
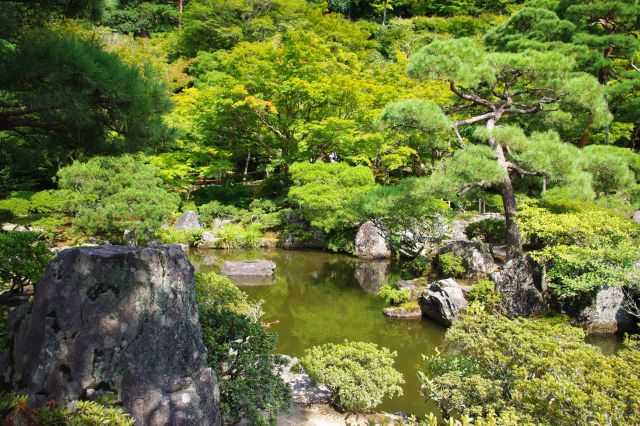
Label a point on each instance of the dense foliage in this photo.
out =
(544, 372)
(22, 259)
(239, 350)
(358, 374)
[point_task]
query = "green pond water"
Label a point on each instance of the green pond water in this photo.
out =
(319, 297)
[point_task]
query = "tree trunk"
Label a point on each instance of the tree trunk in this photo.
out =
(512, 234)
(180, 7)
(384, 13)
(587, 132)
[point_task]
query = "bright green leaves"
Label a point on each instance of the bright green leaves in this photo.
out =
(324, 191)
(415, 114)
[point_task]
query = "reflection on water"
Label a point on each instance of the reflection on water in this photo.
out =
(318, 297)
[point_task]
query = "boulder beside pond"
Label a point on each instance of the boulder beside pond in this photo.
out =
(188, 221)
(115, 321)
(370, 242)
(603, 313)
(248, 268)
(443, 301)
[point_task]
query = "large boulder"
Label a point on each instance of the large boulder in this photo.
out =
(188, 221)
(519, 285)
(636, 216)
(443, 301)
(370, 242)
(120, 321)
(602, 313)
(475, 259)
(249, 268)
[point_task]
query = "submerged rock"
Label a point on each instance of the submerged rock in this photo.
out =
(370, 242)
(188, 221)
(443, 301)
(402, 312)
(519, 285)
(602, 313)
(248, 268)
(475, 259)
(120, 321)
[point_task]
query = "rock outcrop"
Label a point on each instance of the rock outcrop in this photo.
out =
(443, 301)
(519, 285)
(370, 242)
(636, 216)
(121, 321)
(475, 259)
(248, 268)
(188, 221)
(602, 313)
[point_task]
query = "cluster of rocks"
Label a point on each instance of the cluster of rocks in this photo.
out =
(120, 321)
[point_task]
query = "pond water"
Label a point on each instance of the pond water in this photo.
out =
(318, 297)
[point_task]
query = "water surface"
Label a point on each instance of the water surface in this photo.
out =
(318, 297)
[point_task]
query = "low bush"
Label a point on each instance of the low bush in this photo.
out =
(450, 265)
(85, 413)
(234, 236)
(393, 296)
(489, 231)
(22, 259)
(239, 350)
(542, 371)
(358, 374)
(484, 293)
(16, 205)
(215, 209)
(190, 237)
(62, 201)
(231, 193)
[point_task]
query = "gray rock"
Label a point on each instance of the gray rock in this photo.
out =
(117, 320)
(458, 228)
(371, 275)
(636, 216)
(519, 285)
(475, 259)
(188, 221)
(208, 239)
(12, 227)
(304, 389)
(415, 287)
(443, 301)
(602, 313)
(130, 238)
(402, 312)
(249, 268)
(219, 222)
(370, 242)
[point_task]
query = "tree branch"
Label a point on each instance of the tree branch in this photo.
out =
(472, 98)
(520, 171)
(468, 186)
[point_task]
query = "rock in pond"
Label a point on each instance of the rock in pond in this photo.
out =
(208, 239)
(602, 313)
(370, 242)
(248, 268)
(121, 321)
(402, 312)
(188, 221)
(519, 285)
(443, 301)
(475, 259)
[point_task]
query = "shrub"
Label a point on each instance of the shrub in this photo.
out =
(85, 413)
(585, 247)
(484, 293)
(489, 231)
(450, 265)
(117, 193)
(22, 259)
(51, 201)
(227, 193)
(216, 290)
(190, 237)
(234, 236)
(416, 267)
(543, 371)
(393, 296)
(215, 209)
(324, 191)
(239, 350)
(17, 206)
(358, 374)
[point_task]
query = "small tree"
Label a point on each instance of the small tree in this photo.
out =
(490, 87)
(358, 374)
